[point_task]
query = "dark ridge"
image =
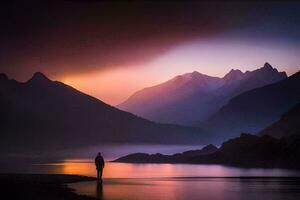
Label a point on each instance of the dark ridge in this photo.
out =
(47, 116)
(267, 65)
(183, 157)
(232, 74)
(287, 125)
(3, 76)
(38, 77)
(245, 151)
(255, 109)
(296, 75)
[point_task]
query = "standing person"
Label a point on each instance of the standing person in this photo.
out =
(99, 162)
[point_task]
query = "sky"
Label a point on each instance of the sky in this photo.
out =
(112, 49)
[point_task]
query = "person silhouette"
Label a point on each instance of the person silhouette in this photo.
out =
(99, 162)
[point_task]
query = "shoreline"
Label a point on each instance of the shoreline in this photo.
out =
(41, 186)
(56, 186)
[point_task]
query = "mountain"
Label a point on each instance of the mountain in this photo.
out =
(174, 100)
(44, 115)
(160, 158)
(244, 151)
(194, 97)
(254, 110)
(288, 125)
(236, 83)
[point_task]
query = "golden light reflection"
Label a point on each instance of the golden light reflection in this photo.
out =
(213, 57)
(160, 189)
(127, 170)
(115, 170)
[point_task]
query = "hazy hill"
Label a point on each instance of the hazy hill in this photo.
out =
(40, 115)
(255, 109)
(174, 100)
(244, 151)
(184, 157)
(193, 97)
(288, 125)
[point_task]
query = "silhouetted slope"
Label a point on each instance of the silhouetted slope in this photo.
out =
(244, 151)
(160, 158)
(41, 114)
(261, 151)
(194, 97)
(289, 124)
(254, 110)
(251, 150)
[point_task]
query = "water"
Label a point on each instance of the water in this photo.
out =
(180, 181)
(191, 189)
(166, 181)
(127, 170)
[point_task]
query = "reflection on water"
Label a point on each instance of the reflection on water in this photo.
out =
(99, 190)
(179, 181)
(126, 170)
(191, 189)
(155, 182)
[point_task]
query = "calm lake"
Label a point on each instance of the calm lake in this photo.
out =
(179, 181)
(170, 181)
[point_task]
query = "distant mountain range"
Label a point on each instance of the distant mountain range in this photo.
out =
(44, 115)
(244, 151)
(193, 98)
(254, 110)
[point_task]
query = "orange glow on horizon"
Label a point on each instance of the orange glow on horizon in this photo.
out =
(112, 86)
(213, 58)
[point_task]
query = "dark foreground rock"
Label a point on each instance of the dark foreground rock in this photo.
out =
(38, 186)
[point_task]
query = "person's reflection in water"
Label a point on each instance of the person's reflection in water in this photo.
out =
(99, 189)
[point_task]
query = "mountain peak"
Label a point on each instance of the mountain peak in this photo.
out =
(268, 68)
(192, 74)
(195, 72)
(233, 74)
(39, 77)
(210, 147)
(267, 65)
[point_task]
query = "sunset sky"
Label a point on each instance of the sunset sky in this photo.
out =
(110, 50)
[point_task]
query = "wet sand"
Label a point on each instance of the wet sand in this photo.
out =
(40, 186)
